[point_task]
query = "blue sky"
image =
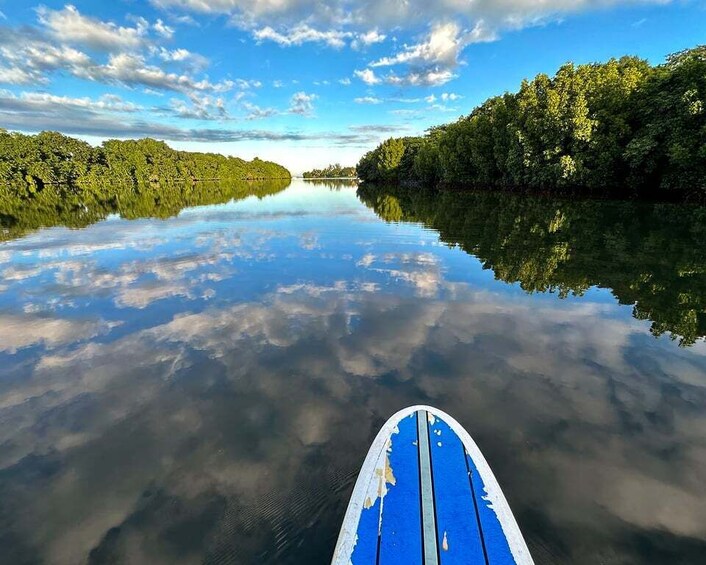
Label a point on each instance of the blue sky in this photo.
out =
(301, 82)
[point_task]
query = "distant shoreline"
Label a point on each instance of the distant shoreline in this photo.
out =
(29, 163)
(328, 178)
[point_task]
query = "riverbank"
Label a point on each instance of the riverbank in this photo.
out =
(622, 128)
(28, 163)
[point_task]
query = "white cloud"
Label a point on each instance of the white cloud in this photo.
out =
(442, 47)
(162, 29)
(367, 100)
(255, 112)
(431, 62)
(199, 108)
(429, 77)
(368, 38)
(360, 15)
(27, 59)
(133, 70)
(372, 36)
(74, 116)
(183, 56)
(16, 75)
(302, 103)
(303, 34)
(175, 55)
(368, 76)
(30, 55)
(45, 102)
(443, 97)
(244, 84)
(69, 25)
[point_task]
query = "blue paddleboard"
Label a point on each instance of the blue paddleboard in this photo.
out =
(426, 495)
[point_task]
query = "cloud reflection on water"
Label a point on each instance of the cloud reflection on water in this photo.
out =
(231, 429)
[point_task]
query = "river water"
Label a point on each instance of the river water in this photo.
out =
(203, 388)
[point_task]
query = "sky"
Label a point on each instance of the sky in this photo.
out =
(305, 83)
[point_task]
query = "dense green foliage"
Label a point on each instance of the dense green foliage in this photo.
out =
(623, 128)
(651, 256)
(28, 163)
(60, 205)
(331, 172)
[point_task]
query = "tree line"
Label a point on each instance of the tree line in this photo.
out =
(332, 171)
(28, 163)
(650, 255)
(622, 128)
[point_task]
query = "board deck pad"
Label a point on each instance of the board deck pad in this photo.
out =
(426, 495)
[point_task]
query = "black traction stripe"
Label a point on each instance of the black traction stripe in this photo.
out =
(475, 504)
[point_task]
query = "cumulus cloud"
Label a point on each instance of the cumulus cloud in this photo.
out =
(45, 102)
(302, 103)
(432, 61)
(133, 70)
(367, 100)
(255, 112)
(441, 47)
(17, 75)
(368, 38)
(245, 84)
(70, 26)
(182, 56)
(426, 77)
(27, 58)
(198, 108)
(302, 34)
(162, 29)
(337, 14)
(35, 112)
(368, 76)
(372, 36)
(108, 127)
(128, 56)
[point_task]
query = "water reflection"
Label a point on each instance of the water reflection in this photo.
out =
(204, 389)
(57, 206)
(333, 184)
(652, 256)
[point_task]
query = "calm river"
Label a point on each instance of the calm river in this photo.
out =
(201, 386)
